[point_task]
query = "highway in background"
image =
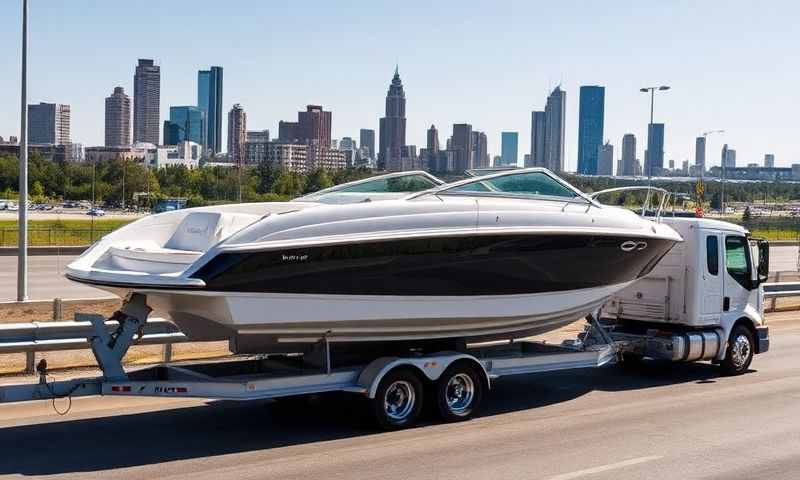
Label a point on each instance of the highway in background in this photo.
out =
(682, 422)
(47, 280)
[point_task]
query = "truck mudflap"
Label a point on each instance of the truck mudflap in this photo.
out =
(762, 342)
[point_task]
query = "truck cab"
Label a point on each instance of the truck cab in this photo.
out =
(705, 293)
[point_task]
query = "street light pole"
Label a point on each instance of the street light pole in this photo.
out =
(647, 161)
(22, 254)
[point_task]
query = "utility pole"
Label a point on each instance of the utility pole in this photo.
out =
(22, 254)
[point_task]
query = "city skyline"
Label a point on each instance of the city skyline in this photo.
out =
(690, 108)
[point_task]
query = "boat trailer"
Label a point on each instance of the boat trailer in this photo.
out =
(389, 382)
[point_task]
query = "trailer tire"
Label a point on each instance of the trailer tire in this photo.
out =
(398, 400)
(459, 392)
(739, 353)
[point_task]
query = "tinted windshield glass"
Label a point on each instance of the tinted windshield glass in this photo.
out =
(409, 183)
(531, 183)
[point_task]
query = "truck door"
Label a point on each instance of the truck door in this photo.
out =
(712, 278)
(737, 273)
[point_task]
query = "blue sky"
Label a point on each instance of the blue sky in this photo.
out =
(732, 65)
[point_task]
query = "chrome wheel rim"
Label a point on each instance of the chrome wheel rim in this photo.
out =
(740, 351)
(459, 393)
(398, 402)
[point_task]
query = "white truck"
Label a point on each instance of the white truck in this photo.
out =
(701, 302)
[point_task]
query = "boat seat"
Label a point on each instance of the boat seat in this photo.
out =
(195, 234)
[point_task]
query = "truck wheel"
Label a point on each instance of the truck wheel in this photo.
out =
(398, 401)
(739, 353)
(459, 392)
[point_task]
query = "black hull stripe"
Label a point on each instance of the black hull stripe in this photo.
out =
(455, 266)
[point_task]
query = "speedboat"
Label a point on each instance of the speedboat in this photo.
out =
(396, 258)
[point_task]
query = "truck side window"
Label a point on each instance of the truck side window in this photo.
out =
(737, 261)
(712, 253)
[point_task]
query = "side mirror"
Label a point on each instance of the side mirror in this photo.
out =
(763, 261)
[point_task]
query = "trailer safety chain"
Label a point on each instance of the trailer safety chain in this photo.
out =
(41, 368)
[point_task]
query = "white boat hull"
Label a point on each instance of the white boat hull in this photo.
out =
(274, 319)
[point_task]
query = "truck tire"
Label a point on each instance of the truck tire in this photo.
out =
(398, 400)
(739, 353)
(459, 392)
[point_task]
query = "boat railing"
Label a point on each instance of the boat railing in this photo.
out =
(647, 201)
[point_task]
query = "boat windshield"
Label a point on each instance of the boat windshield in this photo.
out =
(383, 187)
(522, 183)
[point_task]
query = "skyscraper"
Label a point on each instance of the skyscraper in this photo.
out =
(509, 152)
(366, 138)
(393, 126)
(654, 156)
(728, 159)
(185, 123)
(315, 126)
(49, 123)
(605, 159)
(700, 154)
(209, 98)
(433, 140)
(237, 134)
(590, 128)
(146, 102)
(118, 119)
(547, 132)
(556, 112)
(628, 155)
(538, 135)
(769, 160)
(480, 150)
(461, 144)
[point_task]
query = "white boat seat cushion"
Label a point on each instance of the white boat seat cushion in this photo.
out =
(197, 232)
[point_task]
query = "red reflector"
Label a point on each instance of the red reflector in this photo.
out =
(121, 388)
(181, 389)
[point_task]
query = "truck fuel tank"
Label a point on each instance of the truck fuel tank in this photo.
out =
(686, 347)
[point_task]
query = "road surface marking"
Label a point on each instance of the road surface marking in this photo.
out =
(605, 468)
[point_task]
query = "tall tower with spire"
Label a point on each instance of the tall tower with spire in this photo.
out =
(393, 126)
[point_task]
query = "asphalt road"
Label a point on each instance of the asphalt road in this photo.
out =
(46, 279)
(678, 421)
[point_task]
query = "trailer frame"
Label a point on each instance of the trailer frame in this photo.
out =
(274, 376)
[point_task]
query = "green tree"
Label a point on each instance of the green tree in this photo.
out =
(318, 180)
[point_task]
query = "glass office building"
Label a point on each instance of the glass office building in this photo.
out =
(185, 123)
(209, 99)
(590, 128)
(509, 148)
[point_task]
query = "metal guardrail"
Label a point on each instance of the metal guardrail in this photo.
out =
(781, 290)
(53, 336)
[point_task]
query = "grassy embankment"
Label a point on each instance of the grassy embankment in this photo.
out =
(60, 232)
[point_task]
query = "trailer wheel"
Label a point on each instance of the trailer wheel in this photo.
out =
(398, 400)
(459, 392)
(740, 351)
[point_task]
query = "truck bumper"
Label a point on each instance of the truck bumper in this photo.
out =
(763, 339)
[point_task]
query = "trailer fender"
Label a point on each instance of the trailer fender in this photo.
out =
(429, 367)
